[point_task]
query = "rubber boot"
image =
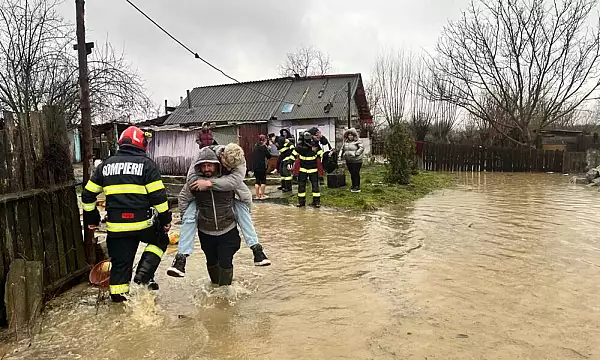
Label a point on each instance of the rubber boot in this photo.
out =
(117, 298)
(213, 273)
(147, 266)
(301, 202)
(316, 202)
(288, 183)
(225, 276)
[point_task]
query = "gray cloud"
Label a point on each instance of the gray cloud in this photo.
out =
(248, 39)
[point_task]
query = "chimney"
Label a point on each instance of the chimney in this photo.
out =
(189, 100)
(166, 105)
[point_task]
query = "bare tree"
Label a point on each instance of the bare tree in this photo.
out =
(445, 119)
(445, 112)
(306, 61)
(535, 60)
(38, 66)
(422, 111)
(392, 78)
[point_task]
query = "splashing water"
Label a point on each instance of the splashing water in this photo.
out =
(503, 266)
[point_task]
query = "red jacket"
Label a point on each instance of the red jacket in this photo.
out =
(205, 138)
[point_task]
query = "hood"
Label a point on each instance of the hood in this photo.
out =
(351, 131)
(207, 154)
(218, 149)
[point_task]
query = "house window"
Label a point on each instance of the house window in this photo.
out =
(287, 108)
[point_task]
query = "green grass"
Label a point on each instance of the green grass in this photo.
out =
(376, 194)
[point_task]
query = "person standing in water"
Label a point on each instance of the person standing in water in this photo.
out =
(133, 186)
(217, 228)
(232, 176)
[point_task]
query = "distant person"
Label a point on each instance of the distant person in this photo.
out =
(205, 136)
(324, 145)
(272, 163)
(322, 140)
(286, 134)
(352, 153)
(260, 154)
(285, 162)
(308, 152)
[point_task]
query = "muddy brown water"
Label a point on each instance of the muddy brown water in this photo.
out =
(498, 267)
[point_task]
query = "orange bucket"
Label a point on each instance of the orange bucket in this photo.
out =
(100, 274)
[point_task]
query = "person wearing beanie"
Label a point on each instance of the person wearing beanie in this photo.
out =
(231, 178)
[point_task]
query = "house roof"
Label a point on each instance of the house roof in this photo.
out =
(309, 97)
(231, 102)
(284, 99)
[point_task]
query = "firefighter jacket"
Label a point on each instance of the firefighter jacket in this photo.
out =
(308, 157)
(132, 185)
(286, 147)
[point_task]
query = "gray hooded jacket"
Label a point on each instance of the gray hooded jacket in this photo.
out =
(352, 151)
(214, 214)
(232, 181)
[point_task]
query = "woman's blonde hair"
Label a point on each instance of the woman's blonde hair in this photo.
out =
(233, 155)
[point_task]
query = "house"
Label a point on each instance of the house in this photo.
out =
(561, 139)
(242, 111)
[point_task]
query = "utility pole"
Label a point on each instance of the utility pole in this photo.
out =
(86, 116)
(349, 98)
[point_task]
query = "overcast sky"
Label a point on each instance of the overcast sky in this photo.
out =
(249, 39)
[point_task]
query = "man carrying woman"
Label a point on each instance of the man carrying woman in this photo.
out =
(233, 171)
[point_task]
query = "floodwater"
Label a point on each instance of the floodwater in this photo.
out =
(501, 266)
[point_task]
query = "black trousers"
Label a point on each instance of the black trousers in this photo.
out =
(314, 180)
(354, 170)
(220, 249)
(122, 248)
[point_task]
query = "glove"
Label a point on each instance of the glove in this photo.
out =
(290, 167)
(91, 218)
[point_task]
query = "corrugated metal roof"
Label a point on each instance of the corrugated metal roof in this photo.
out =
(232, 102)
(238, 103)
(310, 102)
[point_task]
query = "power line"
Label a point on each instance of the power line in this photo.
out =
(196, 54)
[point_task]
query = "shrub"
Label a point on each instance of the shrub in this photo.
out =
(400, 154)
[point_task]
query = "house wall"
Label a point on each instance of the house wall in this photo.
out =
(327, 127)
(248, 137)
(174, 150)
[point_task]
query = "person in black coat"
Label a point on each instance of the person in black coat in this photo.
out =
(260, 155)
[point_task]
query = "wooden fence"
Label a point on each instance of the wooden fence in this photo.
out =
(39, 214)
(575, 162)
(451, 157)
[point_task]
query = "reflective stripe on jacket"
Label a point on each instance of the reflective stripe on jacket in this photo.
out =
(132, 185)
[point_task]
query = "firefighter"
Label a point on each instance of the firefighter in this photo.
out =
(308, 151)
(137, 211)
(286, 162)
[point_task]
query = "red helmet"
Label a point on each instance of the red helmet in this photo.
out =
(136, 137)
